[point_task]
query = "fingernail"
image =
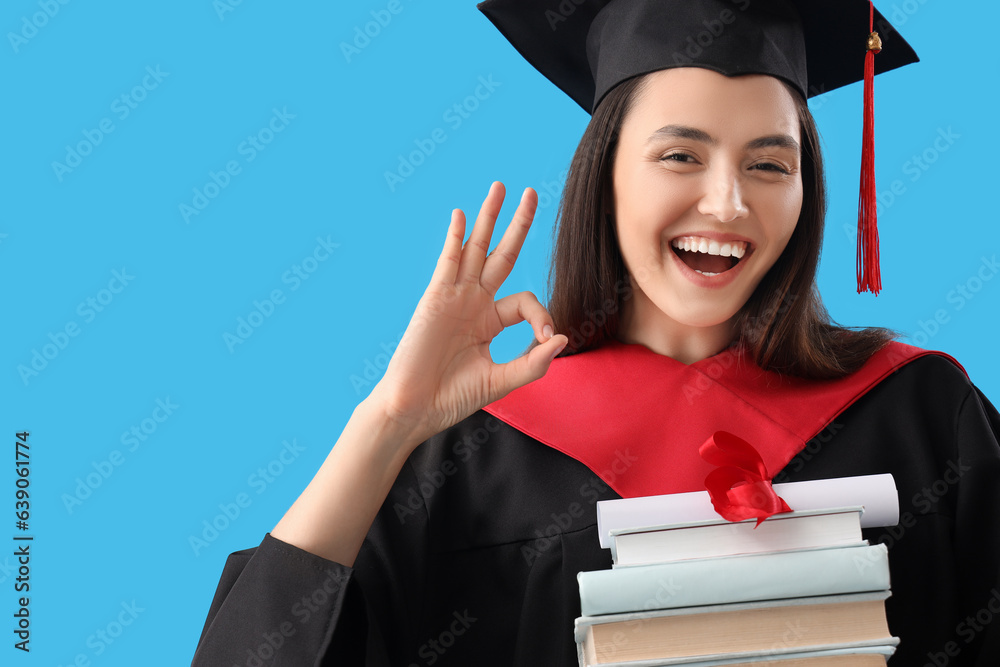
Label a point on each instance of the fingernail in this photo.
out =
(556, 353)
(547, 331)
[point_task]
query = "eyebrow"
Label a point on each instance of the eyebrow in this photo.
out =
(694, 134)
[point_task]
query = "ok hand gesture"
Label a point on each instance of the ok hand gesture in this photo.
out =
(442, 370)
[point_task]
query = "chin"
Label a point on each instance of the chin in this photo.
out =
(698, 316)
(704, 320)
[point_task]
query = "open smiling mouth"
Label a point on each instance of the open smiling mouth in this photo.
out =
(708, 257)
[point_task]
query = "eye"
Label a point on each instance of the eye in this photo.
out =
(683, 158)
(770, 166)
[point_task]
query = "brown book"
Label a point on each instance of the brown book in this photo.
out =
(764, 629)
(852, 660)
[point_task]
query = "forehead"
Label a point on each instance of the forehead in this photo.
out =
(738, 107)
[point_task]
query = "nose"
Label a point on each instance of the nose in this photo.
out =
(723, 196)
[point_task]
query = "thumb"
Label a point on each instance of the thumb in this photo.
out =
(530, 367)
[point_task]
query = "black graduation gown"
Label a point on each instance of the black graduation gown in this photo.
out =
(473, 558)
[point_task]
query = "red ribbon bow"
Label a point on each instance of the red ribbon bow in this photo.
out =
(740, 487)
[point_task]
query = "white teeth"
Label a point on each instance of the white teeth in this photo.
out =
(710, 247)
(705, 273)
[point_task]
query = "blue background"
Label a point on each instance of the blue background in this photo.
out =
(226, 72)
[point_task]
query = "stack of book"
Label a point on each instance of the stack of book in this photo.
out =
(802, 589)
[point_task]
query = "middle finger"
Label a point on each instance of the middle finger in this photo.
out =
(474, 251)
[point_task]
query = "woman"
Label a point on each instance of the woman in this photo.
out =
(449, 521)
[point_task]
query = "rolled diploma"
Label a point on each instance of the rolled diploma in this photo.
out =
(877, 493)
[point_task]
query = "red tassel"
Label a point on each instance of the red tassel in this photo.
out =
(869, 275)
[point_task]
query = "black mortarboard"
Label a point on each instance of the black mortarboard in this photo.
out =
(587, 47)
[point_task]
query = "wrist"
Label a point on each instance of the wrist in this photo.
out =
(389, 434)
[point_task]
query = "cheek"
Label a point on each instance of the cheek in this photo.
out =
(784, 214)
(648, 203)
(794, 211)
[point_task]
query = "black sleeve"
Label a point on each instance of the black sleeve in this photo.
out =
(275, 600)
(277, 604)
(977, 533)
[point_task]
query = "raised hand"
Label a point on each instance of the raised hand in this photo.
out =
(442, 370)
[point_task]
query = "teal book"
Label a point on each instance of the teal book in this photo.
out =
(728, 579)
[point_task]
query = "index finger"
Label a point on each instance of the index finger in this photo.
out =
(501, 261)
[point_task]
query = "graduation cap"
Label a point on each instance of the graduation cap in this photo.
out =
(587, 47)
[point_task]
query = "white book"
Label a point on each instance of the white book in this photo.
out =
(876, 493)
(804, 529)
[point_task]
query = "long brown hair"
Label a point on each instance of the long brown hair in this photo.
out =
(783, 326)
